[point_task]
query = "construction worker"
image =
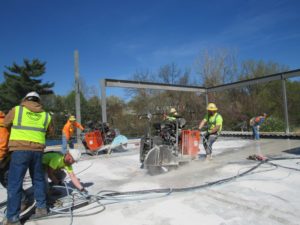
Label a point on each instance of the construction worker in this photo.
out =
(54, 164)
(4, 159)
(67, 133)
(4, 136)
(172, 115)
(255, 123)
(29, 124)
(214, 123)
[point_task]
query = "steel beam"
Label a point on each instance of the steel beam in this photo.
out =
(259, 80)
(150, 85)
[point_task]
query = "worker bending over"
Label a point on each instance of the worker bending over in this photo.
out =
(255, 123)
(214, 122)
(67, 133)
(54, 164)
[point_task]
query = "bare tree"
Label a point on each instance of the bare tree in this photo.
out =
(216, 67)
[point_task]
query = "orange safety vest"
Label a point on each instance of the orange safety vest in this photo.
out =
(69, 128)
(4, 138)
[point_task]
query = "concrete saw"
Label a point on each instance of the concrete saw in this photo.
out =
(160, 159)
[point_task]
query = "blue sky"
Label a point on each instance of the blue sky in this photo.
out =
(117, 38)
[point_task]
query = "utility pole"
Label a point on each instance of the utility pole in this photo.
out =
(77, 92)
(103, 101)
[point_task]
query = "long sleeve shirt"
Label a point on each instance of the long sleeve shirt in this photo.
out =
(70, 127)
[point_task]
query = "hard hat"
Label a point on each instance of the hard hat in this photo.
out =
(75, 153)
(173, 110)
(2, 114)
(33, 94)
(212, 107)
(72, 118)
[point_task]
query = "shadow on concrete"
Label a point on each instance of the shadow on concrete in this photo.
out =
(294, 151)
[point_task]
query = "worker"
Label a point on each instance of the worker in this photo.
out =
(4, 137)
(4, 158)
(255, 123)
(214, 122)
(67, 133)
(29, 124)
(172, 115)
(54, 164)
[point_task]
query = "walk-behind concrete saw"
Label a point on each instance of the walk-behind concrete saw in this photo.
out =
(168, 147)
(99, 138)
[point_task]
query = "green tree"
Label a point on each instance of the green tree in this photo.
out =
(21, 79)
(93, 109)
(266, 97)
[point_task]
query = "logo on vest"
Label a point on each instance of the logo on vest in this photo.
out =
(33, 116)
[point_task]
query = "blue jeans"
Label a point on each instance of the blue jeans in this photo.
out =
(255, 130)
(210, 139)
(64, 146)
(20, 162)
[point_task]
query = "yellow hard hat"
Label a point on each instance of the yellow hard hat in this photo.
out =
(212, 107)
(72, 118)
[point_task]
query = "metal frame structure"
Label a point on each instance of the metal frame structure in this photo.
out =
(160, 86)
(141, 85)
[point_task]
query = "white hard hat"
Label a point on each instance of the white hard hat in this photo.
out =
(75, 153)
(33, 94)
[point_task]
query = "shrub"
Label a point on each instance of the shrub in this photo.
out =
(273, 124)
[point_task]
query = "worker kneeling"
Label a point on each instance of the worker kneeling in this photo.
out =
(54, 164)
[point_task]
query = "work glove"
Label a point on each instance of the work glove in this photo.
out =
(70, 141)
(84, 193)
(85, 130)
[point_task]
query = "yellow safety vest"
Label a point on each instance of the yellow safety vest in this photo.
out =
(29, 126)
(212, 121)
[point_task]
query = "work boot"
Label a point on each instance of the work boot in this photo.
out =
(208, 157)
(24, 205)
(39, 212)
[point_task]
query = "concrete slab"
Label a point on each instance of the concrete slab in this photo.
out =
(267, 195)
